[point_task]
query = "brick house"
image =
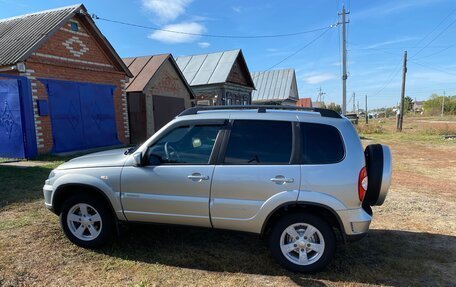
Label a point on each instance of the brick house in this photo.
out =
(77, 80)
(156, 94)
(221, 78)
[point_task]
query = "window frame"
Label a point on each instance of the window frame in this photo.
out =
(215, 148)
(295, 144)
(301, 144)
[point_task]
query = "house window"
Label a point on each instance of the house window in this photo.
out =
(74, 26)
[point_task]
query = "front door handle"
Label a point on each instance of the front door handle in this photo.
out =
(280, 179)
(198, 177)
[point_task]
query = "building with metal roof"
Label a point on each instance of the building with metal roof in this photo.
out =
(275, 87)
(69, 79)
(221, 78)
(156, 94)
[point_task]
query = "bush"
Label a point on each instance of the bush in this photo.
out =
(370, 129)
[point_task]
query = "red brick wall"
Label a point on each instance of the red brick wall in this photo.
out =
(86, 63)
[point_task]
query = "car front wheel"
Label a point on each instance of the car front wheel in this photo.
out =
(86, 221)
(302, 242)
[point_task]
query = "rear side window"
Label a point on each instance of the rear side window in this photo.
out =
(259, 142)
(321, 144)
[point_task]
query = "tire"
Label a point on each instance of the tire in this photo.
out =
(94, 230)
(374, 166)
(323, 240)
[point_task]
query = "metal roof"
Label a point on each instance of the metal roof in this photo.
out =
(210, 68)
(20, 36)
(275, 85)
(144, 69)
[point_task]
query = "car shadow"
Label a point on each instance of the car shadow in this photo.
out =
(22, 184)
(386, 257)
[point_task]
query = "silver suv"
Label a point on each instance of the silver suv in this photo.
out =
(296, 176)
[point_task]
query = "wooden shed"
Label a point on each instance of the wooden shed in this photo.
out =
(156, 94)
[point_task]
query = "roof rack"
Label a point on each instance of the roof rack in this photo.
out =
(261, 109)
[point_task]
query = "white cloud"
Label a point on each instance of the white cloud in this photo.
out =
(173, 38)
(237, 9)
(166, 10)
(386, 43)
(204, 44)
(319, 78)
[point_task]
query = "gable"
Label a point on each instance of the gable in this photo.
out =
(238, 75)
(38, 33)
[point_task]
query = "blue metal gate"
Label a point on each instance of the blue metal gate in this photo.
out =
(82, 115)
(17, 126)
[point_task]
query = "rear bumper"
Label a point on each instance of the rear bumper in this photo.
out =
(355, 222)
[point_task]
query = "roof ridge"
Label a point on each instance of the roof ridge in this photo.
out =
(154, 55)
(40, 12)
(224, 51)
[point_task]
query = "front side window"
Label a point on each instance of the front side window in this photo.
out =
(321, 144)
(190, 144)
(259, 142)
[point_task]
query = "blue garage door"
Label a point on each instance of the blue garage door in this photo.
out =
(82, 115)
(17, 133)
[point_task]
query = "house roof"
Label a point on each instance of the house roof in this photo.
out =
(275, 85)
(20, 36)
(213, 68)
(144, 69)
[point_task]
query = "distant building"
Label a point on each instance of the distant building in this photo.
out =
(221, 78)
(318, 104)
(156, 94)
(418, 106)
(275, 87)
(304, 102)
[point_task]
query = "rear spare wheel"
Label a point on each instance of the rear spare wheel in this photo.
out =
(378, 166)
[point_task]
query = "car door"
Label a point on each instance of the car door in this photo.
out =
(173, 185)
(257, 163)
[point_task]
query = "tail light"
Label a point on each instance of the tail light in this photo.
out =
(362, 183)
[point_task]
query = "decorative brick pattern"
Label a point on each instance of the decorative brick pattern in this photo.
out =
(75, 46)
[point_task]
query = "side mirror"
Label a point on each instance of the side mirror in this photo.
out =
(138, 158)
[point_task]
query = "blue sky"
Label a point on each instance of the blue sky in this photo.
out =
(378, 33)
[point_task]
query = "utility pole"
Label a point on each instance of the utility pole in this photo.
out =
(357, 110)
(404, 73)
(367, 115)
(354, 100)
(344, 60)
(443, 103)
(320, 96)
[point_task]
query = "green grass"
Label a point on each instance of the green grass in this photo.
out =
(22, 184)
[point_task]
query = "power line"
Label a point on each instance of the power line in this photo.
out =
(433, 68)
(438, 52)
(392, 76)
(297, 51)
(211, 35)
(435, 38)
(435, 28)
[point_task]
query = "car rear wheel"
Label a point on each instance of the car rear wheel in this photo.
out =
(302, 243)
(86, 221)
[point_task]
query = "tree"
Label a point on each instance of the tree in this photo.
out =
(408, 104)
(334, 107)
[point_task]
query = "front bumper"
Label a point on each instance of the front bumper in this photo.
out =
(48, 191)
(355, 222)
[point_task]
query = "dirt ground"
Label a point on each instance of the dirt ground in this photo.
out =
(412, 241)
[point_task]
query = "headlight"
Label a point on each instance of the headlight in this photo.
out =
(52, 174)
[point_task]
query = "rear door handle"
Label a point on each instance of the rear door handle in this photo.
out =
(280, 179)
(198, 177)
